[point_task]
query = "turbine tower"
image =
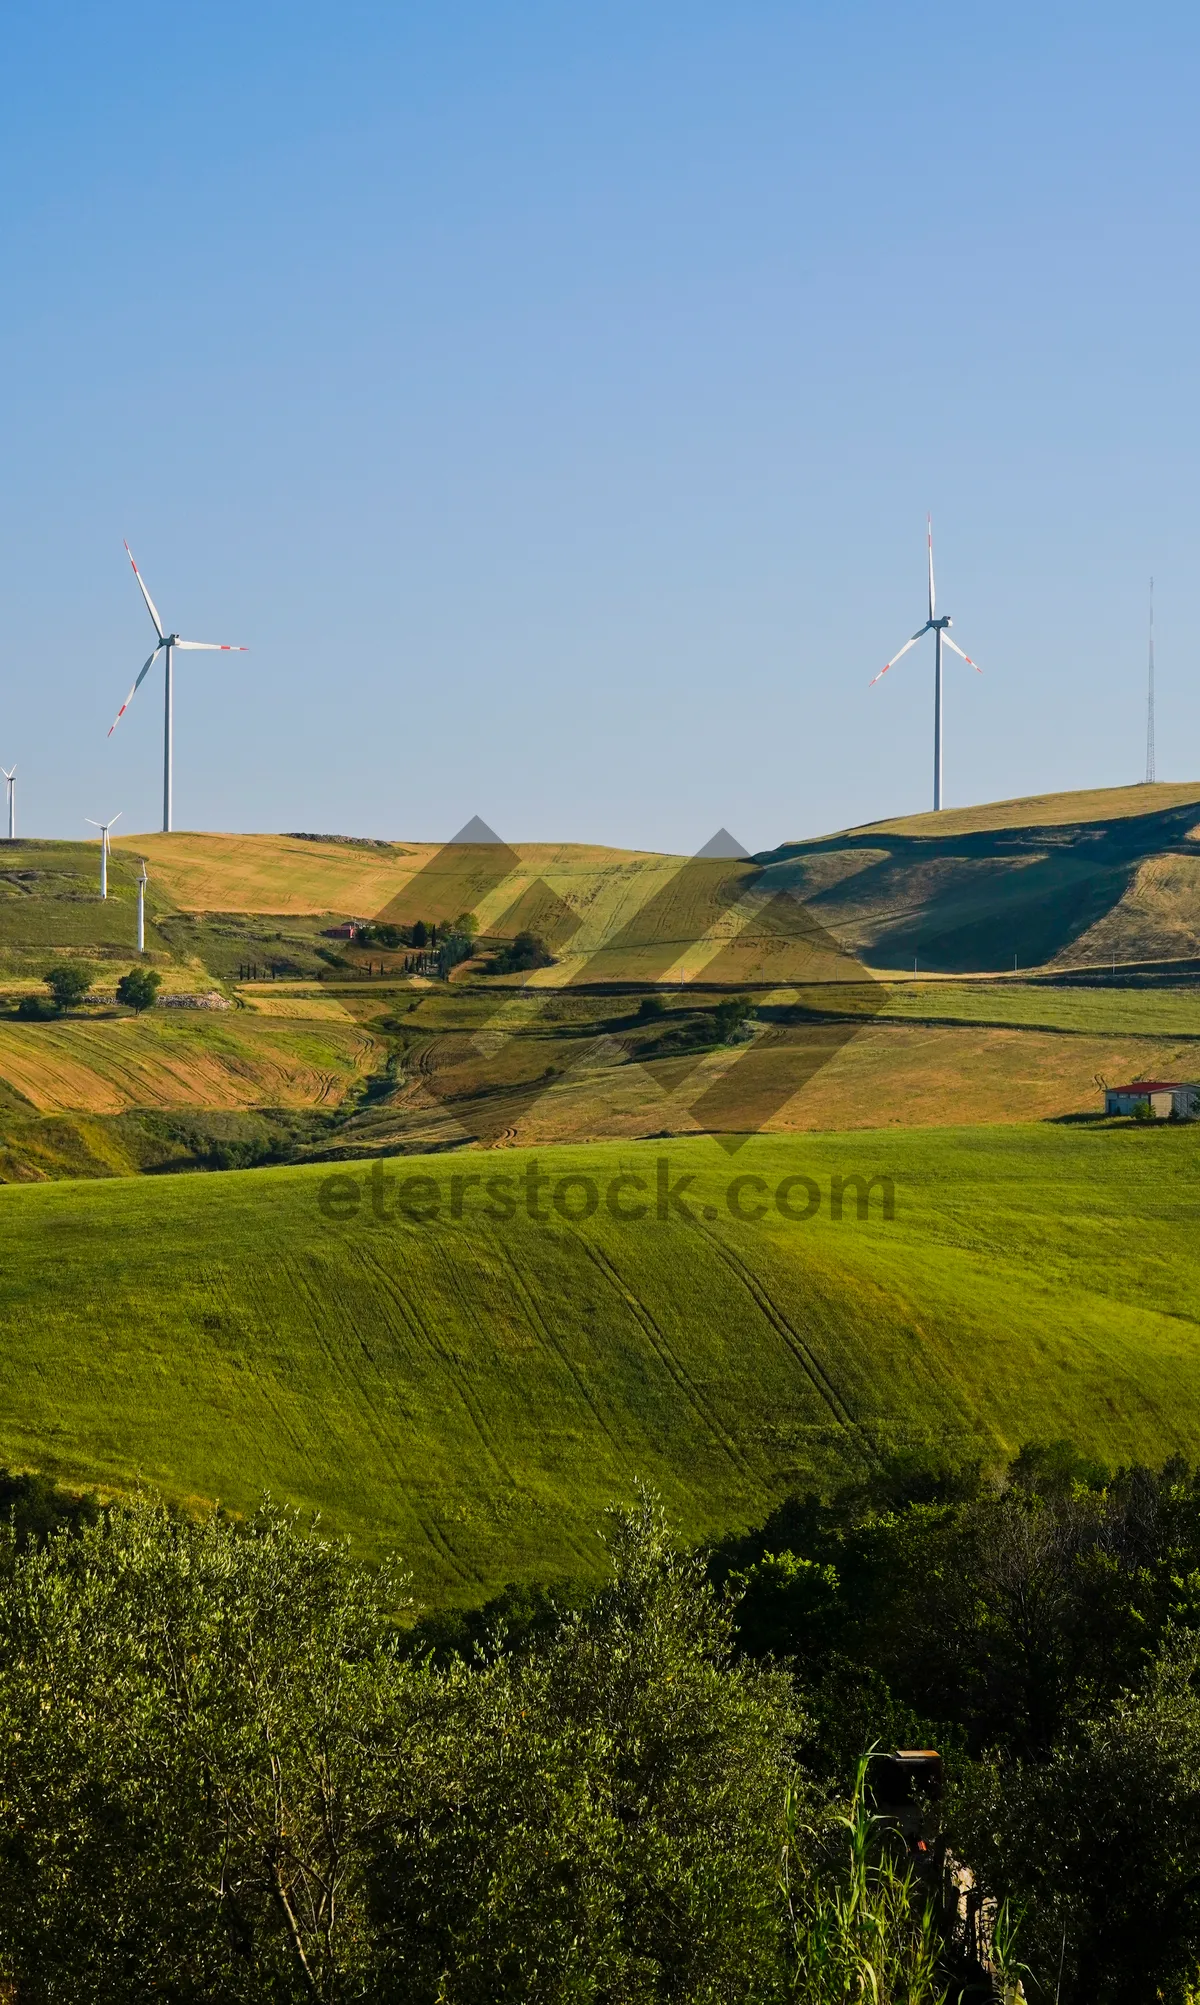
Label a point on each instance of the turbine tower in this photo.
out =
(10, 781)
(1150, 699)
(141, 885)
(167, 642)
(937, 627)
(103, 827)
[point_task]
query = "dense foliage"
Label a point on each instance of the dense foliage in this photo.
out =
(69, 982)
(225, 1777)
(137, 989)
(231, 1765)
(1045, 1633)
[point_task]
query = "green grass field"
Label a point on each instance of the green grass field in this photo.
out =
(475, 1391)
(1093, 1012)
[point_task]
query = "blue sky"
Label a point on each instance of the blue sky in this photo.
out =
(551, 399)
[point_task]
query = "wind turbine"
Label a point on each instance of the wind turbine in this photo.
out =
(937, 627)
(103, 827)
(169, 642)
(142, 882)
(10, 780)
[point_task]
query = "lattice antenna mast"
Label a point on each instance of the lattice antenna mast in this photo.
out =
(1150, 698)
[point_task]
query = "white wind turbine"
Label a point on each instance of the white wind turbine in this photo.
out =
(169, 642)
(103, 827)
(10, 781)
(937, 627)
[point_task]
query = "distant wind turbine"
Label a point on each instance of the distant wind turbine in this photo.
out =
(937, 627)
(10, 781)
(142, 882)
(169, 642)
(103, 827)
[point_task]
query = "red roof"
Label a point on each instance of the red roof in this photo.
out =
(1152, 1086)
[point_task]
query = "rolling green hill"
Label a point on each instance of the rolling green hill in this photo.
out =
(1058, 881)
(474, 1390)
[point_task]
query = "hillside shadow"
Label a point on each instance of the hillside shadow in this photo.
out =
(967, 903)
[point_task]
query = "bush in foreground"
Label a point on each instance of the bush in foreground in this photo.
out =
(223, 1776)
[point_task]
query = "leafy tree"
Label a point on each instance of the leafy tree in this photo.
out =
(221, 1777)
(35, 1009)
(452, 952)
(1099, 1844)
(730, 1016)
(466, 925)
(526, 952)
(198, 1730)
(604, 1811)
(69, 982)
(998, 1617)
(651, 1007)
(138, 988)
(419, 936)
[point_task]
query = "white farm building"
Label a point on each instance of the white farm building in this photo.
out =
(1167, 1099)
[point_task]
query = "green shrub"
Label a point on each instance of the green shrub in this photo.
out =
(138, 989)
(69, 982)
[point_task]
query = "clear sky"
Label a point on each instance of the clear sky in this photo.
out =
(551, 396)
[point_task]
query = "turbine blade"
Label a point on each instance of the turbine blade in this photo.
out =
(212, 646)
(932, 594)
(147, 665)
(116, 818)
(966, 657)
(150, 605)
(895, 658)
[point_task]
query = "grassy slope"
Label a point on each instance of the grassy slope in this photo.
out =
(476, 1392)
(1111, 1010)
(103, 1065)
(1092, 804)
(1066, 880)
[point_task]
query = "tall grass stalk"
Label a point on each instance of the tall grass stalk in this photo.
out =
(864, 1934)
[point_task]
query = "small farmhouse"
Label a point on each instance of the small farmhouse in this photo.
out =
(1167, 1099)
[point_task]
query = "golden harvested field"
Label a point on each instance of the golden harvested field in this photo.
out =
(274, 873)
(201, 1059)
(279, 874)
(922, 1076)
(1156, 918)
(296, 1008)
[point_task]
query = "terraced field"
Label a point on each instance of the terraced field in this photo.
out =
(475, 1387)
